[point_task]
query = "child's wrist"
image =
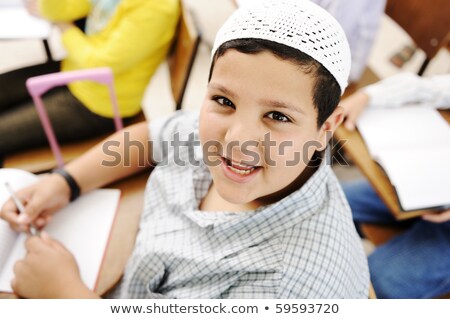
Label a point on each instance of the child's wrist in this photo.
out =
(61, 186)
(71, 184)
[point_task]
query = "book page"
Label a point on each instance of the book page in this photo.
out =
(421, 178)
(83, 227)
(404, 128)
(7, 240)
(17, 179)
(17, 252)
(17, 23)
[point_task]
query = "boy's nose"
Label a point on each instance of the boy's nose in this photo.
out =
(244, 136)
(243, 132)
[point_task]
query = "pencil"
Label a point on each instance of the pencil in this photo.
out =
(33, 230)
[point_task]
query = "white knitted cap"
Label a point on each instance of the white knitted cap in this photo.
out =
(299, 24)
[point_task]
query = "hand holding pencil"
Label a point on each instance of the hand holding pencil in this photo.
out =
(33, 206)
(32, 229)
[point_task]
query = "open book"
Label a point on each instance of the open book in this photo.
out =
(83, 227)
(17, 23)
(412, 145)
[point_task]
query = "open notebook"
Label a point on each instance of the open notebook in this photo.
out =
(17, 23)
(412, 145)
(83, 227)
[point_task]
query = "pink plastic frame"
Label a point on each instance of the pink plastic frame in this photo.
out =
(38, 85)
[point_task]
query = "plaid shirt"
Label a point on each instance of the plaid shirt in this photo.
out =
(304, 246)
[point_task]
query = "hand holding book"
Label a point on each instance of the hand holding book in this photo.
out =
(407, 137)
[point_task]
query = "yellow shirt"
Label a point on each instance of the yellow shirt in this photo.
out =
(133, 43)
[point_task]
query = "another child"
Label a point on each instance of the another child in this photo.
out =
(241, 203)
(132, 37)
(416, 263)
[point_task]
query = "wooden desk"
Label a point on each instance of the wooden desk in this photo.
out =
(124, 230)
(357, 151)
(123, 234)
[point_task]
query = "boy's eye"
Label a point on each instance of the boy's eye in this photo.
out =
(223, 101)
(279, 117)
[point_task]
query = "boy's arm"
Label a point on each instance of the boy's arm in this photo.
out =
(124, 153)
(408, 88)
(49, 270)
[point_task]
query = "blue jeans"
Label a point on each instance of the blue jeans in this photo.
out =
(414, 264)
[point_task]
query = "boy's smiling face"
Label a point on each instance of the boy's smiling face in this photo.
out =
(259, 115)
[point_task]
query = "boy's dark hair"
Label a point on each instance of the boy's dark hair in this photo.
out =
(326, 90)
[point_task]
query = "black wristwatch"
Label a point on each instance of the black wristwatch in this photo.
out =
(73, 185)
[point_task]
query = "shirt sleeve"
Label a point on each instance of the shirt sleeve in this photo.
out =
(125, 46)
(408, 88)
(64, 10)
(162, 132)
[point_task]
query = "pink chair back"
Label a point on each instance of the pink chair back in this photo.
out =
(38, 85)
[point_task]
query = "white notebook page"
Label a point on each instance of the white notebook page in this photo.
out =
(83, 227)
(17, 179)
(7, 240)
(422, 179)
(406, 128)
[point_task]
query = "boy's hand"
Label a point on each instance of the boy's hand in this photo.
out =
(48, 270)
(438, 218)
(41, 200)
(353, 106)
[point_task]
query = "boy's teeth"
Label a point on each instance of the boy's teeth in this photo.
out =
(239, 168)
(240, 171)
(240, 165)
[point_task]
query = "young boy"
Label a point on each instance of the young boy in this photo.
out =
(254, 212)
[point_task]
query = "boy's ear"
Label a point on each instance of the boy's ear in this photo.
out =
(330, 125)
